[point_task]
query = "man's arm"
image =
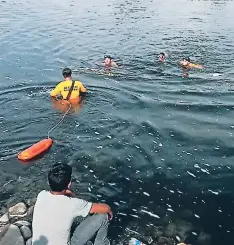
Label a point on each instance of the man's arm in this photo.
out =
(114, 64)
(101, 208)
(83, 89)
(56, 91)
(196, 66)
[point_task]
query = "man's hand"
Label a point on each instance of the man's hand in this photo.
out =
(101, 208)
(110, 215)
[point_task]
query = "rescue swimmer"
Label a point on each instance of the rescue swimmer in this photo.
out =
(68, 89)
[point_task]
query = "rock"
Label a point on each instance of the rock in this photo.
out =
(31, 202)
(204, 239)
(164, 241)
(18, 210)
(3, 210)
(12, 236)
(183, 228)
(4, 219)
(170, 230)
(3, 230)
(30, 212)
(158, 231)
(148, 239)
(29, 242)
(26, 232)
(186, 214)
(22, 222)
(166, 220)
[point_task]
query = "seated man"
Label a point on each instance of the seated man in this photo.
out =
(55, 211)
(68, 89)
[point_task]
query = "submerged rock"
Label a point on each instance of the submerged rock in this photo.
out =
(3, 210)
(31, 202)
(164, 241)
(170, 230)
(12, 236)
(158, 231)
(26, 232)
(204, 239)
(183, 228)
(18, 210)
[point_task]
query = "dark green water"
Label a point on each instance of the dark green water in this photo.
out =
(145, 139)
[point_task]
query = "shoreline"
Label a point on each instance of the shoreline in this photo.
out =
(16, 228)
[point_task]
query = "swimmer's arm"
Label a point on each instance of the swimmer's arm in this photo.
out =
(56, 91)
(114, 64)
(196, 66)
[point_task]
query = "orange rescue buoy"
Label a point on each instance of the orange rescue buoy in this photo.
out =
(35, 149)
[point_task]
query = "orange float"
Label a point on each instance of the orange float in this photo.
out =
(35, 149)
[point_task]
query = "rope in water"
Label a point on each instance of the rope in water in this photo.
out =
(56, 125)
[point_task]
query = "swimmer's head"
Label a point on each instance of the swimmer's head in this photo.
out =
(107, 60)
(66, 72)
(162, 57)
(185, 61)
(59, 177)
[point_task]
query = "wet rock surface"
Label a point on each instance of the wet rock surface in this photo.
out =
(16, 228)
(12, 236)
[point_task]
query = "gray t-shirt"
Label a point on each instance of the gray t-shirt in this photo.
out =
(53, 216)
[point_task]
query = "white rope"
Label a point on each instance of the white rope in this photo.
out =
(56, 125)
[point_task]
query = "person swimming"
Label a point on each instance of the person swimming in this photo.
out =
(186, 64)
(162, 57)
(109, 62)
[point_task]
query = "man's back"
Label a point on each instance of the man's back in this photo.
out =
(53, 217)
(64, 87)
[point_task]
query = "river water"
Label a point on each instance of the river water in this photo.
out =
(157, 147)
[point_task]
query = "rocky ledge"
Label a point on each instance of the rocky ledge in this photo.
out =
(16, 228)
(15, 224)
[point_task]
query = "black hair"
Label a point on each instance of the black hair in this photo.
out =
(162, 54)
(187, 59)
(66, 72)
(107, 56)
(59, 176)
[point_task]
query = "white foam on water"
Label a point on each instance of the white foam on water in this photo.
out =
(123, 214)
(193, 175)
(151, 214)
(216, 74)
(134, 215)
(214, 192)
